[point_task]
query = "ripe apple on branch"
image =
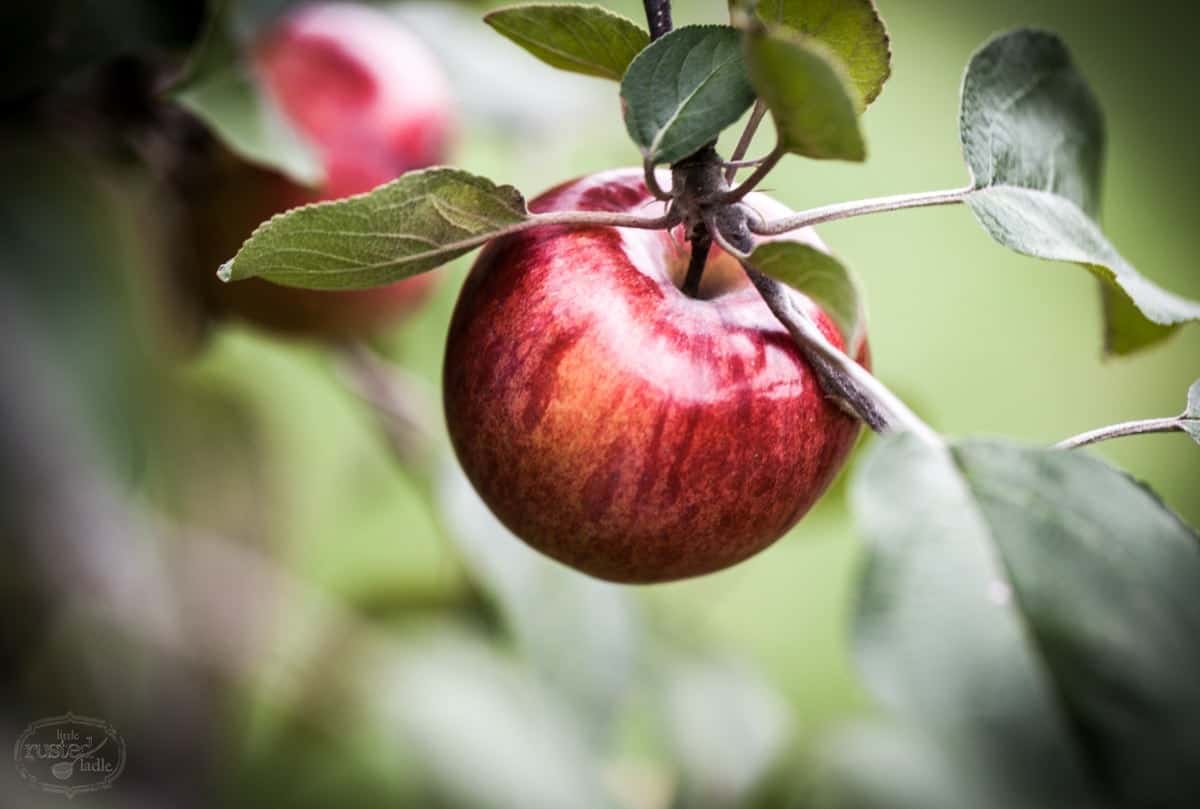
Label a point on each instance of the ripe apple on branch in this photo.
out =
(624, 427)
(634, 411)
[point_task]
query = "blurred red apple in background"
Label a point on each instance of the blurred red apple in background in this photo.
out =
(364, 91)
(620, 426)
(372, 102)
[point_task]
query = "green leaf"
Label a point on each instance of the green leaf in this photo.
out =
(412, 224)
(583, 39)
(1191, 416)
(809, 93)
(1033, 138)
(824, 279)
(221, 90)
(685, 88)
(1035, 611)
(852, 29)
(1126, 329)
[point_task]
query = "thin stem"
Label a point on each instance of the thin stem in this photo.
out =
(701, 244)
(842, 378)
(610, 218)
(658, 17)
(652, 181)
(845, 381)
(404, 405)
(845, 210)
(744, 164)
(743, 144)
(1143, 427)
(750, 183)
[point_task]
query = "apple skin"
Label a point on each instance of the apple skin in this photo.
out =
(619, 426)
(373, 103)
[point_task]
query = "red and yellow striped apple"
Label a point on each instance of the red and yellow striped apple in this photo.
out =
(615, 423)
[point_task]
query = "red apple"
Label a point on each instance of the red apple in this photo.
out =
(620, 426)
(373, 103)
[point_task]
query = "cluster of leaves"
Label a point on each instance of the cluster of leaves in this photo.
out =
(1030, 128)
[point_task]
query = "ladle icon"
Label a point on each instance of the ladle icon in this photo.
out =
(65, 769)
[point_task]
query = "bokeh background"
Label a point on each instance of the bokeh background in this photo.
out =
(210, 542)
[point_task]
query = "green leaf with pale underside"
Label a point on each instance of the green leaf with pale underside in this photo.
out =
(221, 90)
(828, 282)
(1191, 416)
(852, 29)
(1033, 138)
(1125, 328)
(582, 39)
(809, 93)
(415, 223)
(1035, 612)
(685, 88)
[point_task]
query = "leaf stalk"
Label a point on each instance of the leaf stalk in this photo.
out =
(743, 144)
(750, 183)
(1127, 428)
(846, 210)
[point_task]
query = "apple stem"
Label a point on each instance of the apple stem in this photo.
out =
(846, 382)
(845, 210)
(1143, 427)
(658, 17)
(701, 242)
(743, 144)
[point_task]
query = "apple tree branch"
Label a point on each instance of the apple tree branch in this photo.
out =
(658, 17)
(845, 381)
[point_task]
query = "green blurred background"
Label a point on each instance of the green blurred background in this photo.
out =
(257, 440)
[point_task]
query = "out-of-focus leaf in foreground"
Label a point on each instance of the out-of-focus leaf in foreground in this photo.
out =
(1034, 612)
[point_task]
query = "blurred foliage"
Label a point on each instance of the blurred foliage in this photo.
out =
(215, 549)
(1007, 619)
(43, 42)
